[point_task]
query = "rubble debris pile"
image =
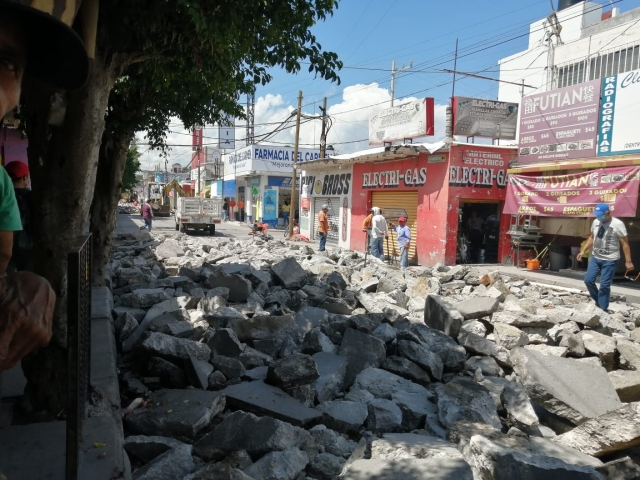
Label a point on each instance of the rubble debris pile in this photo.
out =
(254, 359)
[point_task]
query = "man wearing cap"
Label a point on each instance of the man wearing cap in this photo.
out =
(34, 43)
(22, 240)
(607, 235)
(323, 226)
(404, 241)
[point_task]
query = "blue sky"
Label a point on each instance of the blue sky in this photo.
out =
(367, 35)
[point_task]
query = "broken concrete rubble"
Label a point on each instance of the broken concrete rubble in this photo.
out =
(268, 331)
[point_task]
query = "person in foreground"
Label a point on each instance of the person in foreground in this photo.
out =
(379, 231)
(608, 234)
(33, 43)
(147, 214)
(404, 241)
(323, 227)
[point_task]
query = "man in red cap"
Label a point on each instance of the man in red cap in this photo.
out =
(22, 240)
(404, 241)
(35, 40)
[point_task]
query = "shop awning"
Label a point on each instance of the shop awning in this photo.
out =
(579, 164)
(574, 195)
(378, 154)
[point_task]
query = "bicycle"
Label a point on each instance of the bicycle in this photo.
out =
(295, 227)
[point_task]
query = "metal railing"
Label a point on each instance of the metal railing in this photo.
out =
(619, 59)
(78, 348)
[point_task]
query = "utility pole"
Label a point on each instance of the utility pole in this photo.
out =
(198, 157)
(294, 174)
(394, 70)
(323, 133)
(455, 66)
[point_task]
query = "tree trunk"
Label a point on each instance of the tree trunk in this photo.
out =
(113, 156)
(63, 163)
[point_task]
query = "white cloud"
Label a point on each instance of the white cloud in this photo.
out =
(349, 132)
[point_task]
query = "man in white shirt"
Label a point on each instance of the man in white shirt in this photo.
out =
(607, 235)
(379, 231)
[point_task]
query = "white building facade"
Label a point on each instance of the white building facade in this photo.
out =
(259, 179)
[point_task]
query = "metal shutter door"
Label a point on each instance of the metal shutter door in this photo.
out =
(333, 216)
(408, 201)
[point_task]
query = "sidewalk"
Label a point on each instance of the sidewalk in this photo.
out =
(37, 451)
(558, 279)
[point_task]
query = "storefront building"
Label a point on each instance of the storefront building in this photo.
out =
(326, 184)
(438, 189)
(261, 179)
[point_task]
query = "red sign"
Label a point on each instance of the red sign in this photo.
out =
(560, 124)
(574, 195)
(197, 139)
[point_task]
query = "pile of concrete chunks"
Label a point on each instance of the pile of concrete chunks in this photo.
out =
(266, 360)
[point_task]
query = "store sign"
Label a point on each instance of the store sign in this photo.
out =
(480, 169)
(254, 181)
(270, 205)
(412, 177)
(560, 124)
(267, 158)
(226, 134)
(476, 117)
(618, 125)
(409, 120)
(284, 182)
(327, 185)
(574, 195)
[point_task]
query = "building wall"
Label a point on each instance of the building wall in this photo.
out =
(451, 178)
(332, 182)
(432, 202)
(486, 186)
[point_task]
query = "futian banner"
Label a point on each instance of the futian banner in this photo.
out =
(574, 195)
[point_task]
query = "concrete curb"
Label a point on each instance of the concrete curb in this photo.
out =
(104, 424)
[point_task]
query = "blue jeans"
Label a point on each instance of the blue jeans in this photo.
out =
(148, 222)
(323, 241)
(404, 257)
(606, 269)
(377, 247)
(285, 217)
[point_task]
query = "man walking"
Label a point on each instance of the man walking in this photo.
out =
(404, 241)
(147, 214)
(379, 231)
(323, 227)
(607, 235)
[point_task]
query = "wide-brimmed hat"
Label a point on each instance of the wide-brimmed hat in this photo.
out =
(55, 53)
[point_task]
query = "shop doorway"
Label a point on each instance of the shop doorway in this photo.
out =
(333, 215)
(392, 201)
(478, 232)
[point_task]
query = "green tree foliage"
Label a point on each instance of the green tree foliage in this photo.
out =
(131, 167)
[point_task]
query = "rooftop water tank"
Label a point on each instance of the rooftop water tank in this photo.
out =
(562, 4)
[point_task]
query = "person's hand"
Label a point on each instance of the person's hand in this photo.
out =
(628, 265)
(579, 256)
(27, 302)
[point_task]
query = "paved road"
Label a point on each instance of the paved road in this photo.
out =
(132, 223)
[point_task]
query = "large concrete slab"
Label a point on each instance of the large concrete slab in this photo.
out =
(262, 399)
(570, 389)
(409, 469)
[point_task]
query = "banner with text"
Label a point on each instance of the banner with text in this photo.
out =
(574, 195)
(476, 117)
(560, 125)
(409, 120)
